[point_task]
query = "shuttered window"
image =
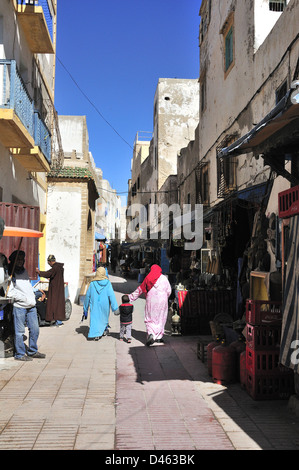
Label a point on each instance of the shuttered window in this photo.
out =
(228, 32)
(277, 5)
(229, 49)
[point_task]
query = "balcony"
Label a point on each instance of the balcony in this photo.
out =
(37, 23)
(21, 128)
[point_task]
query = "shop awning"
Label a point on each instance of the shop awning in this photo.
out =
(99, 236)
(21, 232)
(278, 129)
(253, 194)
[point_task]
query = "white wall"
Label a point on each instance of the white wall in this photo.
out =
(264, 20)
(176, 114)
(63, 232)
(71, 130)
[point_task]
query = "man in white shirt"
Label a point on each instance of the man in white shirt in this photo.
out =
(24, 309)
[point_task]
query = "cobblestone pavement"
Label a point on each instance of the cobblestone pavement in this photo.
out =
(114, 396)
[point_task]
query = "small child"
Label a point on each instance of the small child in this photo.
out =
(125, 311)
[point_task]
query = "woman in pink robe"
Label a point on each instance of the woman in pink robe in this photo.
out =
(157, 290)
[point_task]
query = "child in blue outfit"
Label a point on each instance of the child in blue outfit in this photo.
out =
(125, 310)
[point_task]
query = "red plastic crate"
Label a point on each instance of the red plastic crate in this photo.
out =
(263, 312)
(270, 386)
(263, 337)
(288, 202)
(263, 361)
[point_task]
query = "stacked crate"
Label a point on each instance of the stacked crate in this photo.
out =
(266, 378)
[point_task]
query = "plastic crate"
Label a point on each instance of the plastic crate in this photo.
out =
(263, 337)
(270, 386)
(263, 312)
(263, 361)
(288, 202)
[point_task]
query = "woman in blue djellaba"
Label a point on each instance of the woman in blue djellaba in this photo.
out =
(99, 298)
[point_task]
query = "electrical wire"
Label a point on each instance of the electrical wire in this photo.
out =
(91, 103)
(107, 122)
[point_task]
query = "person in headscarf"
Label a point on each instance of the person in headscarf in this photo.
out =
(157, 289)
(98, 299)
(55, 307)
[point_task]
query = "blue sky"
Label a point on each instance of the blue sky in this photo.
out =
(110, 55)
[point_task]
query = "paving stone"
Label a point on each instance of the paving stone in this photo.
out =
(110, 395)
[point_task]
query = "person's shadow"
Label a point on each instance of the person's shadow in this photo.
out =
(138, 335)
(83, 330)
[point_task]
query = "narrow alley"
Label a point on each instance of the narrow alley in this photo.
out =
(114, 396)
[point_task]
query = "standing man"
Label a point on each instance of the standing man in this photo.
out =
(24, 308)
(55, 309)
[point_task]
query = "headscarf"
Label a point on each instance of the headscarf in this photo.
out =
(100, 275)
(151, 278)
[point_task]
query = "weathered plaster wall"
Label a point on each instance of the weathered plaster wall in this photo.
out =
(64, 229)
(264, 20)
(176, 114)
(238, 100)
(74, 137)
(186, 176)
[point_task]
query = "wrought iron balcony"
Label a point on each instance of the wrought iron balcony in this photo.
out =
(37, 22)
(21, 128)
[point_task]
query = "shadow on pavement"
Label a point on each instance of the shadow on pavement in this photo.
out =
(269, 425)
(157, 362)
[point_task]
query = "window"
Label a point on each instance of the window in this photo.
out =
(226, 169)
(229, 50)
(203, 93)
(202, 183)
(205, 185)
(277, 5)
(228, 33)
(281, 91)
(205, 13)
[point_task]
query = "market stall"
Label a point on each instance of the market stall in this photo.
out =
(198, 307)
(6, 322)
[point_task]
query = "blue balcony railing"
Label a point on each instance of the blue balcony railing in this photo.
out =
(42, 136)
(45, 5)
(14, 95)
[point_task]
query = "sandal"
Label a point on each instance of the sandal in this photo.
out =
(150, 340)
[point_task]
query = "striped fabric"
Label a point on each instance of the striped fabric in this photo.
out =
(289, 347)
